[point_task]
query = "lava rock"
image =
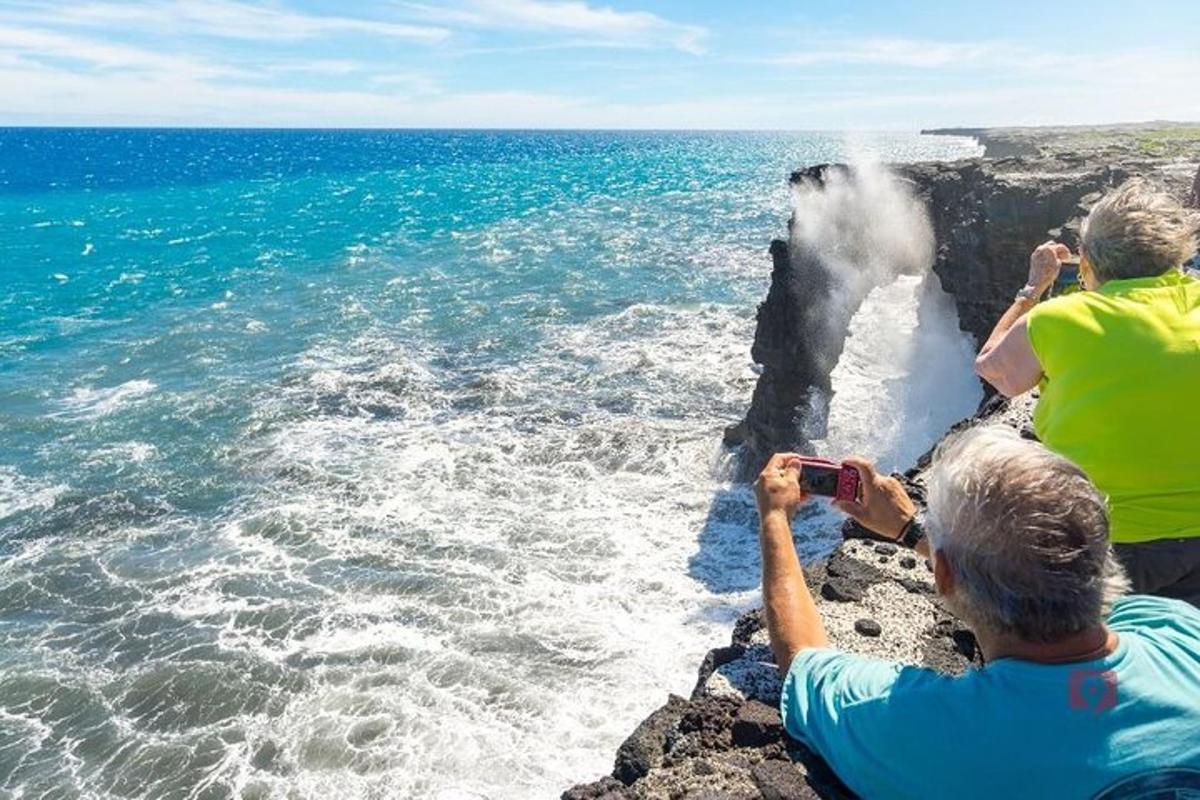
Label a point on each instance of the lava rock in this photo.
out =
(714, 660)
(747, 625)
(782, 780)
(607, 788)
(908, 562)
(756, 725)
(885, 549)
(868, 627)
(643, 750)
(841, 590)
(708, 721)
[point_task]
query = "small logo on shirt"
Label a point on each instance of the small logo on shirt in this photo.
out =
(1092, 690)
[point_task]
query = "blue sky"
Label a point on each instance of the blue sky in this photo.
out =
(619, 64)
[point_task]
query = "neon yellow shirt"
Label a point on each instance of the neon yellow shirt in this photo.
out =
(1120, 397)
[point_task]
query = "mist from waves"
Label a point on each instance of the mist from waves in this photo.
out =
(860, 229)
(452, 584)
(903, 372)
(422, 499)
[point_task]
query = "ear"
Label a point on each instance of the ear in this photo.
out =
(943, 575)
(1087, 272)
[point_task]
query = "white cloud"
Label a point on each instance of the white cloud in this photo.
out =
(226, 19)
(897, 52)
(49, 95)
(34, 44)
(590, 24)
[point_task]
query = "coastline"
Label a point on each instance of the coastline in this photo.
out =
(726, 740)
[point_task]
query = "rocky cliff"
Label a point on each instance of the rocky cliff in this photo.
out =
(726, 740)
(987, 215)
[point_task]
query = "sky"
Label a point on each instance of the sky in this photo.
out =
(819, 65)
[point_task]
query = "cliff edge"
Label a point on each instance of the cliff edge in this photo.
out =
(726, 740)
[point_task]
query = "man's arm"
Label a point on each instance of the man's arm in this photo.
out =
(792, 620)
(1007, 360)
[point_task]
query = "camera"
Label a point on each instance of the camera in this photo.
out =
(829, 479)
(1068, 280)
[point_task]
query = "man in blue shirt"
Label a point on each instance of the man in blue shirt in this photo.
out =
(1085, 693)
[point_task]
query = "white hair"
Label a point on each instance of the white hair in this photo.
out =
(1025, 534)
(1136, 231)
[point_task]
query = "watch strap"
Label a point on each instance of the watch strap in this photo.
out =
(912, 533)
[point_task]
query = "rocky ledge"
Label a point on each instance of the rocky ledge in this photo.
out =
(726, 740)
(987, 215)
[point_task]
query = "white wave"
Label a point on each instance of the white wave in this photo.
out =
(489, 577)
(21, 493)
(904, 376)
(501, 562)
(89, 402)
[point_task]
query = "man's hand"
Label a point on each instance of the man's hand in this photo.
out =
(792, 621)
(1044, 265)
(778, 487)
(885, 507)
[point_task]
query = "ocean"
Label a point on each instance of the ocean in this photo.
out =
(388, 464)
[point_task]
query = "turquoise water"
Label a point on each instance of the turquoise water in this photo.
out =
(370, 464)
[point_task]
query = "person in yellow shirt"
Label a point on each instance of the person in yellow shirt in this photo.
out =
(1118, 369)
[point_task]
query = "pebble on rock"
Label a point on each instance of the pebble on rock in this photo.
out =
(868, 627)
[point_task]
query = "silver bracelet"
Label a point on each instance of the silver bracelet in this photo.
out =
(1028, 292)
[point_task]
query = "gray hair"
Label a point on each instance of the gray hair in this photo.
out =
(1025, 534)
(1136, 231)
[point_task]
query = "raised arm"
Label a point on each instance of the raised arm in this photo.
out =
(792, 619)
(1007, 360)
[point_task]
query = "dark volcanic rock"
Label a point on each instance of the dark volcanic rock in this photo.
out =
(751, 623)
(727, 740)
(607, 788)
(710, 720)
(757, 724)
(717, 658)
(782, 780)
(868, 627)
(842, 590)
(644, 748)
(788, 324)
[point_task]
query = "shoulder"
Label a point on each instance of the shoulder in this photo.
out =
(1062, 319)
(1068, 307)
(850, 708)
(824, 685)
(1144, 611)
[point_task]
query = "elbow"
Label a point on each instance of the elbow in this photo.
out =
(986, 370)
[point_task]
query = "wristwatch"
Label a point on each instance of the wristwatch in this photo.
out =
(1028, 292)
(912, 533)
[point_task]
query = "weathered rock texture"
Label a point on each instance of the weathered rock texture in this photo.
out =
(726, 740)
(987, 214)
(794, 345)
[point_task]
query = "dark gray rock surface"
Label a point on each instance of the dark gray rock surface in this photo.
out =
(988, 214)
(726, 740)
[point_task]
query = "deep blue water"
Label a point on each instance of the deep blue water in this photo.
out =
(353, 462)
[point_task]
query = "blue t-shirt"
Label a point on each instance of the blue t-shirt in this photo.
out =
(1013, 729)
